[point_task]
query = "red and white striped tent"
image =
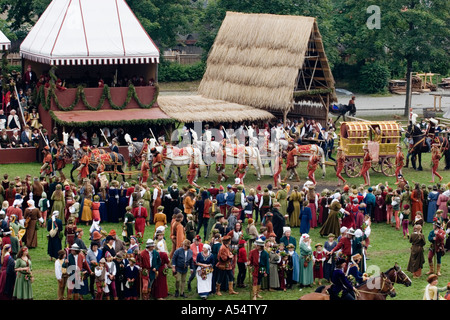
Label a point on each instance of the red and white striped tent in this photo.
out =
(5, 44)
(86, 32)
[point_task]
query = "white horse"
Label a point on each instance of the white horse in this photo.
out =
(267, 152)
(176, 157)
(234, 154)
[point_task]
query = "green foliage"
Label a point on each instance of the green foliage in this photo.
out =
(22, 12)
(373, 78)
(172, 71)
(164, 19)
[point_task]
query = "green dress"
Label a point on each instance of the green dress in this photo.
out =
(296, 198)
(306, 273)
(58, 205)
(282, 200)
(22, 287)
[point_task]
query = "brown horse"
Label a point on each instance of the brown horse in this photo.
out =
(375, 288)
(396, 275)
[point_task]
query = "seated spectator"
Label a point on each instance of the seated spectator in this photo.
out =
(25, 136)
(5, 142)
(95, 140)
(34, 119)
(35, 137)
(26, 116)
(13, 120)
(16, 141)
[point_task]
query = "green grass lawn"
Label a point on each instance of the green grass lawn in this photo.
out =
(387, 244)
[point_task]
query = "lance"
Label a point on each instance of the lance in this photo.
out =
(151, 131)
(104, 136)
(43, 137)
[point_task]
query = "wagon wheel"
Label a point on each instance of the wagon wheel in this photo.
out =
(353, 167)
(377, 166)
(388, 167)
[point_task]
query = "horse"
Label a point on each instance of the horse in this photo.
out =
(175, 157)
(396, 275)
(374, 288)
(341, 110)
(72, 154)
(233, 153)
(113, 162)
(420, 146)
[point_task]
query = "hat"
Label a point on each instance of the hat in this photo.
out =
(331, 235)
(75, 247)
(96, 235)
(340, 261)
(272, 234)
(406, 206)
(112, 232)
(221, 188)
(218, 215)
(260, 242)
(102, 260)
(318, 245)
(343, 229)
(242, 241)
(258, 187)
(290, 245)
(250, 221)
(351, 231)
(285, 229)
(150, 243)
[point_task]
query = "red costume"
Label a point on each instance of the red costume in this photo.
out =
(435, 157)
(278, 169)
(145, 167)
(399, 163)
(95, 206)
(47, 160)
(84, 171)
(240, 171)
(340, 160)
(318, 264)
(312, 166)
(140, 214)
(157, 163)
(192, 172)
(367, 164)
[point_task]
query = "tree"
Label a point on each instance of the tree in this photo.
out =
(22, 12)
(413, 31)
(165, 19)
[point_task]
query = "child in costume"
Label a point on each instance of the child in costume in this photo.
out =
(318, 257)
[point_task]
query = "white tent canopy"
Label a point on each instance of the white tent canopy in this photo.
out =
(5, 44)
(87, 32)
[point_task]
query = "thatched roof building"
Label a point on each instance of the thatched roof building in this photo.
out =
(199, 108)
(272, 62)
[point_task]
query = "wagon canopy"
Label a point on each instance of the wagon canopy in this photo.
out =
(354, 135)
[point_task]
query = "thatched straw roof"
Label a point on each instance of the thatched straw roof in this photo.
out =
(198, 108)
(256, 58)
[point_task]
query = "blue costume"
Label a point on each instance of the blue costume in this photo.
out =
(305, 219)
(340, 284)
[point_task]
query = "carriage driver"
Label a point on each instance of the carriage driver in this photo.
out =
(431, 132)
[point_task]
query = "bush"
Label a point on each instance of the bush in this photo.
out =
(373, 78)
(172, 71)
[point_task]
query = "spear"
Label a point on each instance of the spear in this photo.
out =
(104, 136)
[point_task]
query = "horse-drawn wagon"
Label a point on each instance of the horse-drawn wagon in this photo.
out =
(382, 138)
